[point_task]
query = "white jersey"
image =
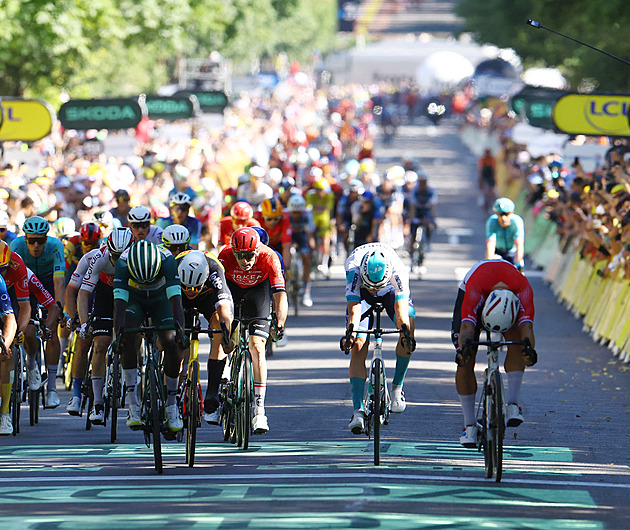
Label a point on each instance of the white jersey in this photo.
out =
(99, 268)
(255, 198)
(155, 235)
(399, 279)
(82, 267)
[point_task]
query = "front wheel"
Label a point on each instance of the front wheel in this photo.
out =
(247, 395)
(155, 418)
(377, 370)
(114, 395)
(497, 424)
(192, 413)
(485, 433)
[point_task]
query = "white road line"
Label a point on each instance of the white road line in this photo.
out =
(302, 476)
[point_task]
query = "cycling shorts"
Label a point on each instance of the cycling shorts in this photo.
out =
(300, 240)
(103, 310)
(156, 305)
(205, 304)
(255, 305)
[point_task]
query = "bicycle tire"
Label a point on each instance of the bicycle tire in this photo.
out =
(16, 390)
(486, 436)
(498, 425)
(155, 418)
(224, 410)
(33, 405)
(377, 370)
(248, 395)
(87, 399)
(192, 413)
(240, 397)
(69, 357)
(114, 396)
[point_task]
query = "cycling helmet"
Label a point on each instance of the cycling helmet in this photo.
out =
(193, 270)
(175, 235)
(275, 174)
(262, 233)
(367, 196)
(144, 261)
(395, 173)
(296, 203)
(5, 253)
(286, 183)
(316, 173)
(104, 218)
(320, 184)
(36, 225)
(271, 208)
(245, 239)
(181, 199)
(256, 172)
(500, 311)
(90, 232)
(376, 270)
(4, 217)
(64, 226)
(121, 194)
(411, 177)
(503, 205)
(119, 240)
(139, 214)
(159, 211)
(242, 211)
(356, 185)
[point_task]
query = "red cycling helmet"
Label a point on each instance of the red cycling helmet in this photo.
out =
(242, 211)
(90, 232)
(245, 239)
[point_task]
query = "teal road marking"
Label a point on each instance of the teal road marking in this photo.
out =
(387, 521)
(406, 493)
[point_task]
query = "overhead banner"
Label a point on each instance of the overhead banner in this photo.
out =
(211, 101)
(26, 120)
(593, 114)
(111, 114)
(536, 104)
(171, 108)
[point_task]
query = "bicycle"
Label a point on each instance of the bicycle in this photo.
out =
(34, 395)
(191, 394)
(68, 357)
(87, 391)
(490, 412)
(295, 283)
(113, 391)
(18, 390)
(418, 248)
(376, 399)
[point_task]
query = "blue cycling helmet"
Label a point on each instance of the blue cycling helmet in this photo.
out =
(36, 225)
(376, 270)
(367, 196)
(262, 233)
(503, 205)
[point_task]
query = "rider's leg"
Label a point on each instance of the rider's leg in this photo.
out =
(172, 365)
(216, 365)
(99, 366)
(357, 371)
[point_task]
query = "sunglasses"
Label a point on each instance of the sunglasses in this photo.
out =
(271, 219)
(190, 289)
(3, 229)
(244, 255)
(35, 241)
(504, 214)
(141, 225)
(175, 249)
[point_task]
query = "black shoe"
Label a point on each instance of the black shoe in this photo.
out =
(211, 403)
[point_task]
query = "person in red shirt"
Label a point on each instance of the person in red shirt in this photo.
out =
(493, 295)
(253, 272)
(276, 222)
(241, 214)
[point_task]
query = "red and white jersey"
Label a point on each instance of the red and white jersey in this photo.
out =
(37, 288)
(82, 267)
(267, 265)
(99, 268)
(480, 281)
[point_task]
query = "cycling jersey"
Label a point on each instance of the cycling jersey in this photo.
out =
(100, 268)
(480, 281)
(399, 279)
(226, 229)
(155, 235)
(82, 267)
(49, 265)
(322, 207)
(279, 233)
(192, 224)
(302, 223)
(5, 301)
(505, 237)
(266, 266)
(215, 284)
(16, 276)
(36, 288)
(255, 198)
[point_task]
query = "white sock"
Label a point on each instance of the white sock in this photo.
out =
(260, 389)
(468, 407)
(131, 378)
(514, 386)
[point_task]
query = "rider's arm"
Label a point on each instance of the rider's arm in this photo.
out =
(59, 269)
(354, 314)
(281, 307)
(491, 246)
(519, 239)
(83, 305)
(9, 323)
(526, 329)
(121, 294)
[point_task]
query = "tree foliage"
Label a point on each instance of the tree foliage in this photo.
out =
(600, 24)
(91, 48)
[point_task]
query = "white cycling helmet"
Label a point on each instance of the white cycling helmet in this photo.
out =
(175, 235)
(139, 214)
(193, 270)
(64, 226)
(119, 240)
(296, 203)
(500, 311)
(104, 218)
(376, 270)
(180, 199)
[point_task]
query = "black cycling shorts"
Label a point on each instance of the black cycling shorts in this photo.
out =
(255, 304)
(102, 310)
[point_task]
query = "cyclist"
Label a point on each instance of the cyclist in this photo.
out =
(146, 283)
(139, 220)
(44, 255)
(241, 214)
(202, 278)
(375, 273)
(255, 190)
(9, 328)
(367, 215)
(64, 228)
(6, 235)
(495, 295)
(123, 206)
(76, 246)
(176, 239)
(253, 271)
(276, 223)
(303, 238)
(180, 207)
(321, 200)
(505, 234)
(419, 206)
(486, 177)
(106, 222)
(344, 212)
(99, 279)
(285, 190)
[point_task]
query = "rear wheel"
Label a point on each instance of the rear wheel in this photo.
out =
(486, 434)
(69, 356)
(87, 399)
(114, 395)
(33, 405)
(497, 424)
(16, 390)
(192, 413)
(377, 369)
(247, 399)
(155, 417)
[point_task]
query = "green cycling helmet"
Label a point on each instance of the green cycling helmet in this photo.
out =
(36, 225)
(503, 205)
(144, 261)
